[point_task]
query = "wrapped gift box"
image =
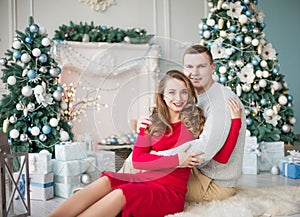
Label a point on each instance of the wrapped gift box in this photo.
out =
(291, 170)
(67, 151)
(41, 186)
(64, 190)
(39, 163)
(251, 144)
(105, 161)
(271, 154)
(73, 167)
(250, 163)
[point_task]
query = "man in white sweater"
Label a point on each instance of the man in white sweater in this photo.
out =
(211, 180)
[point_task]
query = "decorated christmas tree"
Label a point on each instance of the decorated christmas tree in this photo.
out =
(247, 63)
(31, 109)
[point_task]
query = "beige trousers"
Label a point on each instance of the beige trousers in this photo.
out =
(201, 188)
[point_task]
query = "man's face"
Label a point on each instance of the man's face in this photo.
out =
(199, 69)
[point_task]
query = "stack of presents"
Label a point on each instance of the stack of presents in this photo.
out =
(269, 157)
(72, 168)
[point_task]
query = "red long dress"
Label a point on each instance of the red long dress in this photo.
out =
(160, 190)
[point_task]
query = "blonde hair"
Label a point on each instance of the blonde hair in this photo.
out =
(191, 115)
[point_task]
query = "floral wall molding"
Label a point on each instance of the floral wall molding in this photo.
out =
(99, 5)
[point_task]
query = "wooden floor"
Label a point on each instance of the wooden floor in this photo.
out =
(42, 209)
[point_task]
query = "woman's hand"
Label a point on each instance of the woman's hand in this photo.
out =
(235, 108)
(189, 160)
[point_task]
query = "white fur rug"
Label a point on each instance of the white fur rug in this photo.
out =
(249, 202)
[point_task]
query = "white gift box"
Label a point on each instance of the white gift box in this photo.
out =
(41, 186)
(250, 163)
(67, 151)
(105, 161)
(39, 163)
(251, 144)
(64, 190)
(73, 167)
(271, 154)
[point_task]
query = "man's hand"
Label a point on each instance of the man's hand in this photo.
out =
(189, 160)
(235, 108)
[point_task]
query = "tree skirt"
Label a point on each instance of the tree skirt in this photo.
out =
(249, 202)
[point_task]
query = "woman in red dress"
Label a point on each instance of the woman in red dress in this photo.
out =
(159, 189)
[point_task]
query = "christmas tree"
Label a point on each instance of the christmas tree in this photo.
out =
(247, 63)
(31, 110)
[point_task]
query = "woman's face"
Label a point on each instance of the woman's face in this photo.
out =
(176, 95)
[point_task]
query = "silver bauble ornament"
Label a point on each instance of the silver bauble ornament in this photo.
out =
(11, 80)
(53, 72)
(53, 122)
(30, 107)
(286, 128)
(23, 137)
(64, 136)
(36, 52)
(42, 137)
(35, 131)
(19, 107)
(13, 119)
(46, 42)
(86, 179)
(57, 95)
(14, 134)
(26, 91)
(275, 170)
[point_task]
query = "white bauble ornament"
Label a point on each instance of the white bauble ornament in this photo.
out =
(246, 88)
(11, 80)
(36, 52)
(225, 6)
(255, 42)
(57, 95)
(292, 120)
(228, 51)
(222, 69)
(35, 131)
(248, 40)
(265, 74)
(23, 137)
(269, 112)
(256, 31)
(16, 45)
(43, 69)
(14, 134)
(247, 112)
(248, 133)
(42, 30)
(262, 83)
(275, 85)
(206, 34)
(263, 63)
(19, 107)
(38, 89)
(243, 19)
(286, 128)
(64, 136)
(25, 58)
(26, 91)
(282, 100)
(46, 42)
(231, 63)
(13, 119)
(210, 22)
(53, 72)
(30, 107)
(258, 73)
(42, 137)
(256, 87)
(244, 29)
(275, 170)
(53, 122)
(63, 105)
(86, 179)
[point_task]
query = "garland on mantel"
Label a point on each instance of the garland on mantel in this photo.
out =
(85, 32)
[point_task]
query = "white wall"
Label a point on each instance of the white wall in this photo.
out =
(176, 19)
